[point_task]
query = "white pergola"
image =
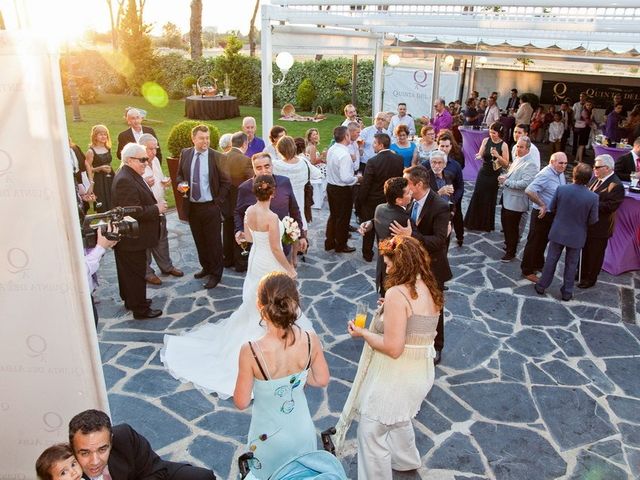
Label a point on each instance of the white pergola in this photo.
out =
(561, 30)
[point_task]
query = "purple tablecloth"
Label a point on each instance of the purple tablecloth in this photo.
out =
(471, 141)
(623, 251)
(614, 152)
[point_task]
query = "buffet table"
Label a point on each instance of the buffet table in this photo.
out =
(623, 250)
(198, 107)
(471, 142)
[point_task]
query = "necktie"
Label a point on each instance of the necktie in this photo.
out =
(486, 114)
(414, 212)
(379, 130)
(195, 180)
(596, 185)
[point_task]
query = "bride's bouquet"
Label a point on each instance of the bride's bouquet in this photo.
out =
(291, 231)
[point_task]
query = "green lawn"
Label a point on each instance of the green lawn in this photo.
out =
(110, 112)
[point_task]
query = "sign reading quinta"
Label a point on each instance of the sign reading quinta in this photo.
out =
(554, 93)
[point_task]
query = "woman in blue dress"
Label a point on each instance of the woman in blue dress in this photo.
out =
(403, 147)
(275, 368)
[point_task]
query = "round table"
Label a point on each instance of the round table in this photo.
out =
(471, 142)
(599, 149)
(211, 108)
(623, 250)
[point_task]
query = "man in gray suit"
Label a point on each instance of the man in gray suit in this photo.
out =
(514, 200)
(575, 208)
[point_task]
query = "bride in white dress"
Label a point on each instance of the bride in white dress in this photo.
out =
(208, 356)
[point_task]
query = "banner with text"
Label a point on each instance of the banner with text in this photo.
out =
(50, 368)
(555, 92)
(414, 87)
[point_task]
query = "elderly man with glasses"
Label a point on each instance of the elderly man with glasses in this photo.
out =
(610, 195)
(130, 190)
(540, 191)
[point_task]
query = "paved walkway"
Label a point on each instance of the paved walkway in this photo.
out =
(529, 387)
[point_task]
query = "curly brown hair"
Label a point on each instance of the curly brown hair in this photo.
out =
(410, 260)
(279, 301)
(264, 186)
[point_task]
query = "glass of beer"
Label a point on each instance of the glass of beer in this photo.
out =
(183, 187)
(361, 315)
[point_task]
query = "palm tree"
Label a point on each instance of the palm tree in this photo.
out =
(195, 33)
(252, 30)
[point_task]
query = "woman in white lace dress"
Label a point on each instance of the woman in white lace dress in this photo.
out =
(299, 171)
(396, 369)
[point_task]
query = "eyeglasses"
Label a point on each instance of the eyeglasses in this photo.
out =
(599, 166)
(141, 159)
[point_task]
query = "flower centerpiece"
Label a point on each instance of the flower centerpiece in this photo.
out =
(291, 231)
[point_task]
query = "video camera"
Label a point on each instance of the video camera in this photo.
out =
(122, 226)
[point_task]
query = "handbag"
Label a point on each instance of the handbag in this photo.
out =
(308, 195)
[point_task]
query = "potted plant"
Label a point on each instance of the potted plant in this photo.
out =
(179, 139)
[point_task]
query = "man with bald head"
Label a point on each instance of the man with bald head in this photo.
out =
(134, 132)
(540, 191)
(130, 190)
(254, 144)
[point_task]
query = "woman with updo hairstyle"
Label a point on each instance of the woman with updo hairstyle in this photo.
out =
(396, 369)
(275, 369)
(264, 186)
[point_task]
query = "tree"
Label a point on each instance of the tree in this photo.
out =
(171, 36)
(195, 32)
(252, 30)
(115, 22)
(135, 43)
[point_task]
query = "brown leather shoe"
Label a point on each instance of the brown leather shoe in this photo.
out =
(532, 277)
(174, 272)
(153, 280)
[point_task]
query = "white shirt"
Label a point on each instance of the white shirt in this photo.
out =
(340, 166)
(533, 152)
(492, 114)
(354, 151)
(137, 135)
(556, 130)
(153, 169)
(398, 120)
(92, 261)
(347, 122)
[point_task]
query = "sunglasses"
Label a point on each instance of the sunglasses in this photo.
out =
(141, 159)
(599, 166)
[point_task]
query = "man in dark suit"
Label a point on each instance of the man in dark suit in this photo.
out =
(119, 452)
(398, 196)
(568, 120)
(130, 190)
(282, 204)
(133, 134)
(239, 169)
(430, 224)
(610, 194)
(514, 101)
(628, 163)
(575, 208)
(379, 168)
(200, 167)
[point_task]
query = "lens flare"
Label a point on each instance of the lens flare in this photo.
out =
(155, 94)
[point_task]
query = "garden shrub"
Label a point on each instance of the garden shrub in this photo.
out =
(306, 95)
(180, 136)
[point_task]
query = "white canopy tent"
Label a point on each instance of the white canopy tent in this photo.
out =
(562, 30)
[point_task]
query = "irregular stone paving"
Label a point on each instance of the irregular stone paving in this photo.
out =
(529, 387)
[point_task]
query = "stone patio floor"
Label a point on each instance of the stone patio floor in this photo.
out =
(529, 387)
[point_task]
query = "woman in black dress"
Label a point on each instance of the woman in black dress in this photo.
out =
(98, 162)
(494, 153)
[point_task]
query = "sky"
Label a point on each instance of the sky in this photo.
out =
(70, 18)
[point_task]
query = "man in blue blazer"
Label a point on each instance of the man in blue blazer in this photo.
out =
(282, 204)
(575, 208)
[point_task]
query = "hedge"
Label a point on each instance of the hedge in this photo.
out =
(330, 77)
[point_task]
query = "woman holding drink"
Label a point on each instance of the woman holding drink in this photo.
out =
(396, 369)
(494, 153)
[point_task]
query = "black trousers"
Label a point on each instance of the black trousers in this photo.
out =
(204, 221)
(184, 471)
(458, 222)
(592, 258)
(340, 203)
(565, 139)
(511, 225)
(231, 249)
(132, 268)
(367, 212)
(533, 256)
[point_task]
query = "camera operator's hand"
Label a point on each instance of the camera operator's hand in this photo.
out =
(105, 242)
(162, 207)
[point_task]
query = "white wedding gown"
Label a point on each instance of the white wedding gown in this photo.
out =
(207, 356)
